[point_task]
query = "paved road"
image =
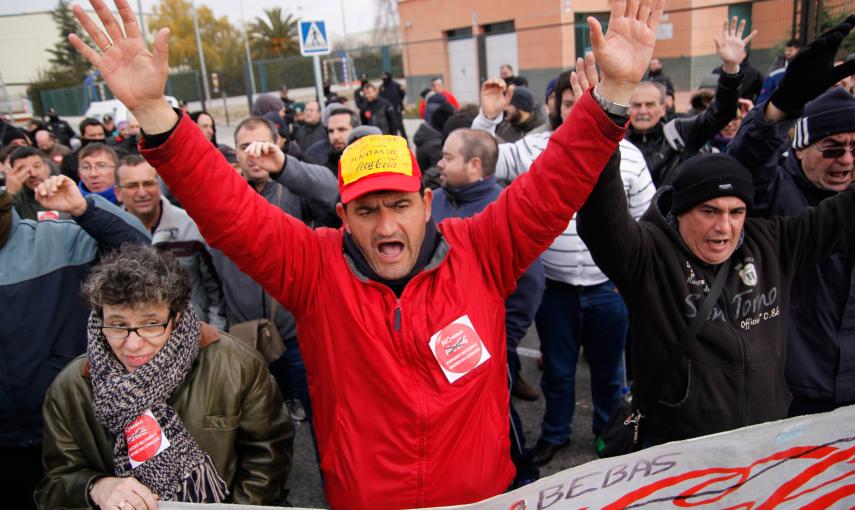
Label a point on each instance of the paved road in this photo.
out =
(304, 482)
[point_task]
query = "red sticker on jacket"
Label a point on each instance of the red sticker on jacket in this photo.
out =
(47, 215)
(145, 439)
(458, 348)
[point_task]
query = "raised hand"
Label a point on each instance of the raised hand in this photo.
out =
(59, 193)
(625, 51)
(584, 76)
(135, 76)
(495, 95)
(810, 73)
(15, 179)
(730, 45)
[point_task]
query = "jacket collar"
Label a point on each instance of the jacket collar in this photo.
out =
(437, 256)
(109, 193)
(653, 134)
(815, 194)
(474, 192)
(208, 336)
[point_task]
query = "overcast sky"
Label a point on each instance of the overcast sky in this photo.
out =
(359, 14)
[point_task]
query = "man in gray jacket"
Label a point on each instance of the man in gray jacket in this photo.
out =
(302, 190)
(173, 231)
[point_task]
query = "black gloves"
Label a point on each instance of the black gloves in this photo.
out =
(812, 71)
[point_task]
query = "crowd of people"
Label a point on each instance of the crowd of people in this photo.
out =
(173, 302)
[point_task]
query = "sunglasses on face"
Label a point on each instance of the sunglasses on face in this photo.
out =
(835, 152)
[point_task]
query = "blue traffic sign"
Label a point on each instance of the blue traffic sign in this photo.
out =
(313, 38)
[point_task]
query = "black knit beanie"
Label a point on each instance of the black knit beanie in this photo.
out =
(831, 113)
(709, 176)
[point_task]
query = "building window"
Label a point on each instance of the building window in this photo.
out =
(459, 33)
(583, 33)
(504, 27)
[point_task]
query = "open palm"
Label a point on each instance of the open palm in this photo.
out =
(625, 51)
(730, 45)
(134, 75)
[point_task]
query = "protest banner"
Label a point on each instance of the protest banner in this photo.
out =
(806, 462)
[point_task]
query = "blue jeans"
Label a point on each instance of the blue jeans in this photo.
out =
(290, 373)
(569, 318)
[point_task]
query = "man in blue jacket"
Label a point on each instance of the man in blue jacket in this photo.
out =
(820, 366)
(43, 326)
(467, 171)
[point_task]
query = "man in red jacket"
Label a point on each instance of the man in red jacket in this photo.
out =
(401, 320)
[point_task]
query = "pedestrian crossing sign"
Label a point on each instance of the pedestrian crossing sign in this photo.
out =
(313, 38)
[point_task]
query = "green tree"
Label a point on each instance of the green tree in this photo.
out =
(274, 35)
(67, 65)
(218, 35)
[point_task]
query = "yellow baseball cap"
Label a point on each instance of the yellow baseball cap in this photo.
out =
(377, 163)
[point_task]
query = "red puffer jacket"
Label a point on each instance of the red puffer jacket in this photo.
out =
(392, 430)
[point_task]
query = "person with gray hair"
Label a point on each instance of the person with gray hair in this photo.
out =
(146, 413)
(667, 144)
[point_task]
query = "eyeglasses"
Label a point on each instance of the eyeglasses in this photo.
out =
(834, 152)
(147, 331)
(98, 166)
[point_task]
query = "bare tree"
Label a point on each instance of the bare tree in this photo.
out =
(386, 22)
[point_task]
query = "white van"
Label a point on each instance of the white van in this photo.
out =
(115, 108)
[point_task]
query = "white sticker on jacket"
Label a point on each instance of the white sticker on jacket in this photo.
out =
(458, 349)
(145, 439)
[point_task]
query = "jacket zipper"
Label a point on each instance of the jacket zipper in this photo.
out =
(420, 478)
(746, 365)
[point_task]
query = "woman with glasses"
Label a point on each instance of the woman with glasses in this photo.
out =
(162, 406)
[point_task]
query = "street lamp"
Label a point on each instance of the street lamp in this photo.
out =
(201, 55)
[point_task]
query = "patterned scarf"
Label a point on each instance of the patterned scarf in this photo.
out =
(183, 471)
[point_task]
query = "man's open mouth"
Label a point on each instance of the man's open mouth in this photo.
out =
(391, 250)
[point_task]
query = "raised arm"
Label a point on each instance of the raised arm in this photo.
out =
(765, 129)
(264, 242)
(537, 207)
(696, 131)
(107, 224)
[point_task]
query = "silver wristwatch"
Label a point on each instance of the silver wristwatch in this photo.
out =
(621, 110)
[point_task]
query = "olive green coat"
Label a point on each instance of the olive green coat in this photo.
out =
(229, 403)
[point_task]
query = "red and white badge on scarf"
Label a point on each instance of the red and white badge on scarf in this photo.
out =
(458, 349)
(145, 439)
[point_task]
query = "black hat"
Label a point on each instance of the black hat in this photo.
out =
(709, 176)
(523, 99)
(831, 113)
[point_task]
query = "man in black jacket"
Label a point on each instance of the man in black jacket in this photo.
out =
(667, 145)
(820, 367)
(732, 373)
(393, 92)
(379, 112)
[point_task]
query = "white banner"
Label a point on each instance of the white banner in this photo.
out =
(806, 462)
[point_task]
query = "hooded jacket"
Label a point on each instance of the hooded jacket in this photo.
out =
(733, 372)
(469, 200)
(238, 420)
(42, 266)
(821, 332)
(393, 429)
(667, 145)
